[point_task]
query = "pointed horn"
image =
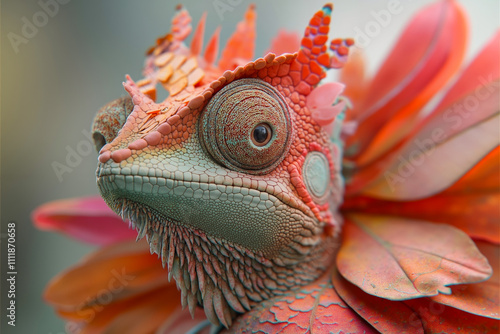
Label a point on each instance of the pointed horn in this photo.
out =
(313, 58)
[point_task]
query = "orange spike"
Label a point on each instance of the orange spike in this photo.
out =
(213, 47)
(197, 42)
(313, 58)
(240, 46)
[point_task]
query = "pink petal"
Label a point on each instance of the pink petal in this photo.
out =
(326, 115)
(426, 56)
(471, 100)
(324, 95)
(87, 219)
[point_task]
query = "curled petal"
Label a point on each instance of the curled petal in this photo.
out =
(482, 298)
(321, 102)
(326, 115)
(324, 95)
(386, 316)
(401, 259)
(483, 178)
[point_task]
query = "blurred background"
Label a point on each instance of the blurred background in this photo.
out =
(60, 75)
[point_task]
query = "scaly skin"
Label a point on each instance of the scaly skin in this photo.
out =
(237, 220)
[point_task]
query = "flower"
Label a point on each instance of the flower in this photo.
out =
(418, 188)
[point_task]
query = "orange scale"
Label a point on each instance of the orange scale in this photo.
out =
(273, 70)
(316, 50)
(305, 72)
(262, 73)
(323, 29)
(302, 57)
(287, 81)
(307, 42)
(320, 39)
(315, 21)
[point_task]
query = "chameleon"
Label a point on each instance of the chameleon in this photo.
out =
(234, 178)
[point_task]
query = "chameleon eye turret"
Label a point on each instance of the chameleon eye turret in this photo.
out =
(246, 126)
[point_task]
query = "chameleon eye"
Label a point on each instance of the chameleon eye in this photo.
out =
(261, 134)
(246, 126)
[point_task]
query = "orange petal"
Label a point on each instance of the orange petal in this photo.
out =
(438, 318)
(182, 322)
(385, 315)
(427, 54)
(197, 41)
(212, 48)
(426, 166)
(482, 298)
(145, 315)
(400, 259)
(471, 204)
(484, 68)
(118, 276)
(483, 178)
(240, 46)
(353, 76)
(476, 214)
(87, 219)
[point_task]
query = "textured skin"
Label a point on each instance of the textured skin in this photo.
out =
(236, 224)
(316, 308)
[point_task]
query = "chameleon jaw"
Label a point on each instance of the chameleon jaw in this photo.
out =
(224, 277)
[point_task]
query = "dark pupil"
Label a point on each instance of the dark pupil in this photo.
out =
(260, 134)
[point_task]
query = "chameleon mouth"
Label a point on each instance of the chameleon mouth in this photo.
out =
(243, 216)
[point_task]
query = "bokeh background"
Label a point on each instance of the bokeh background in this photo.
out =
(55, 82)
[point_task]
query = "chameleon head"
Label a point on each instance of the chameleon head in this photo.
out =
(234, 179)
